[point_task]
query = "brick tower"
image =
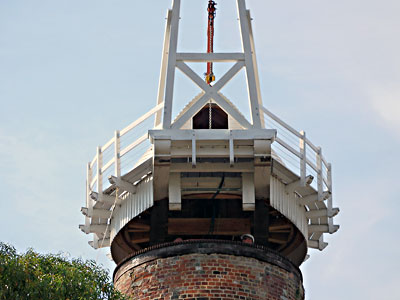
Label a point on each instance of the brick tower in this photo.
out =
(209, 205)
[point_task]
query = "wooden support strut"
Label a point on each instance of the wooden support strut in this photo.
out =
(122, 184)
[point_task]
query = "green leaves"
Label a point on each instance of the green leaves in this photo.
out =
(51, 277)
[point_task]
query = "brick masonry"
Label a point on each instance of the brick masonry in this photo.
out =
(197, 273)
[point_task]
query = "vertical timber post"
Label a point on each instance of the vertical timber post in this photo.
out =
(250, 71)
(173, 44)
(319, 173)
(163, 71)
(99, 173)
(117, 150)
(303, 158)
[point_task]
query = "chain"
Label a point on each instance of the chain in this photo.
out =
(209, 116)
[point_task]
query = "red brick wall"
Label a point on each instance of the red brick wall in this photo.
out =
(207, 276)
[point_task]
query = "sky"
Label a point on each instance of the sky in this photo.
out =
(72, 72)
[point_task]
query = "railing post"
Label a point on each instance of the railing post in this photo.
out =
(319, 173)
(194, 149)
(99, 173)
(330, 208)
(231, 149)
(89, 201)
(303, 158)
(117, 154)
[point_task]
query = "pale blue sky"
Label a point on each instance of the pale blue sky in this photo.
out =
(72, 72)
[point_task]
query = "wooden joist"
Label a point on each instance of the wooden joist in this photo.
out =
(293, 186)
(122, 184)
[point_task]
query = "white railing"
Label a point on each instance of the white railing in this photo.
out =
(299, 154)
(292, 147)
(114, 157)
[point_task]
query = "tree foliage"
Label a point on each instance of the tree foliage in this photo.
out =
(36, 276)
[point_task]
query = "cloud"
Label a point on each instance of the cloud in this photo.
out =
(385, 102)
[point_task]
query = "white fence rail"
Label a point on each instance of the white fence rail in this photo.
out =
(299, 154)
(113, 157)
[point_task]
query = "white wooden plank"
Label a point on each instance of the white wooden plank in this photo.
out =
(210, 57)
(163, 69)
(174, 191)
(248, 196)
(191, 111)
(170, 77)
(107, 145)
(250, 72)
(122, 184)
(193, 149)
(141, 119)
(228, 76)
(134, 144)
(316, 213)
(312, 146)
(117, 154)
(257, 79)
(226, 106)
(107, 165)
(288, 147)
(99, 166)
(231, 150)
(193, 76)
(282, 123)
(303, 157)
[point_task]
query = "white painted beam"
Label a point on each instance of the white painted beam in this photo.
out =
(100, 243)
(333, 212)
(291, 187)
(163, 69)
(191, 111)
(228, 76)
(122, 184)
(96, 213)
(103, 198)
(210, 57)
(248, 192)
(317, 244)
(171, 64)
(310, 199)
(317, 213)
(250, 71)
(194, 149)
(174, 191)
(230, 110)
(93, 228)
(323, 228)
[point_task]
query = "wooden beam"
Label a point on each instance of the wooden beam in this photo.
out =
(210, 57)
(318, 213)
(310, 199)
(104, 198)
(274, 228)
(93, 228)
(291, 187)
(213, 167)
(171, 63)
(139, 226)
(201, 226)
(248, 192)
(174, 191)
(96, 213)
(122, 184)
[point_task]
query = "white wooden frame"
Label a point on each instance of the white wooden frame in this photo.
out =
(172, 60)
